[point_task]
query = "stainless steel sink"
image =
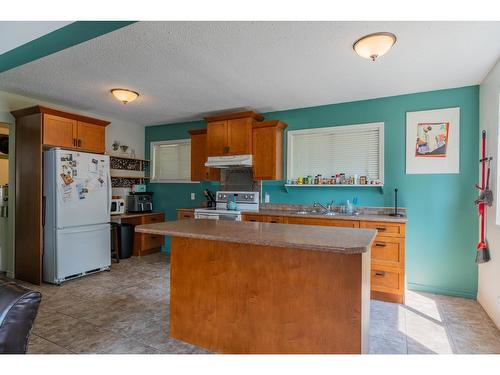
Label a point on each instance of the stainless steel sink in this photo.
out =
(302, 212)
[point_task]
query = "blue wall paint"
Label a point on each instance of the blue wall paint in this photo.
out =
(442, 228)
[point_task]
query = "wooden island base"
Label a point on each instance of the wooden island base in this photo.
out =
(246, 298)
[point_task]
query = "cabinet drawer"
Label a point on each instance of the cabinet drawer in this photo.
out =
(148, 219)
(324, 222)
(151, 241)
(386, 280)
(385, 229)
(388, 250)
(250, 217)
(185, 214)
(274, 219)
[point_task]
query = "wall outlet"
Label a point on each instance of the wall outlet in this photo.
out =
(193, 196)
(267, 198)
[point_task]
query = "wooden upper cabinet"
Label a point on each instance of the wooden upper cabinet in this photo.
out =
(67, 130)
(268, 150)
(59, 131)
(217, 138)
(239, 136)
(231, 134)
(199, 157)
(90, 137)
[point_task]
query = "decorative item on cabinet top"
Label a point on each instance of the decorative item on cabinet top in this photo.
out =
(126, 172)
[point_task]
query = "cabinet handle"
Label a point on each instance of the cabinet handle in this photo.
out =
(379, 273)
(252, 220)
(188, 216)
(274, 221)
(74, 141)
(79, 143)
(381, 229)
(226, 149)
(380, 244)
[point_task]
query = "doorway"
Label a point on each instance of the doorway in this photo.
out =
(6, 175)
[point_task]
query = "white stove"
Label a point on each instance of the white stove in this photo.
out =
(245, 201)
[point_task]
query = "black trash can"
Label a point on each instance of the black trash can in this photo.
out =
(126, 246)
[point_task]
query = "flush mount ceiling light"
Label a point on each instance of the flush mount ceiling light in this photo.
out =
(124, 95)
(374, 45)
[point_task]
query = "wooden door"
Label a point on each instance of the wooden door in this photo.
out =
(217, 138)
(59, 131)
(28, 219)
(239, 136)
(90, 137)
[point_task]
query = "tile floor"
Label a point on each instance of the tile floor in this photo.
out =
(126, 311)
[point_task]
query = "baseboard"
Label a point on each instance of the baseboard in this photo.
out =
(438, 290)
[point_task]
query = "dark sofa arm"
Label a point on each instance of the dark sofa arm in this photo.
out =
(18, 309)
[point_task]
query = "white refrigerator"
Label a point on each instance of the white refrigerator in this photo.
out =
(76, 200)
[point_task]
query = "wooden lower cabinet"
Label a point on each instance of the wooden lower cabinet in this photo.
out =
(387, 252)
(146, 243)
(185, 214)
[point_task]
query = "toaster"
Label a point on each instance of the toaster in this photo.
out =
(140, 202)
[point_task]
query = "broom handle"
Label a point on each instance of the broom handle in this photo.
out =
(483, 162)
(483, 165)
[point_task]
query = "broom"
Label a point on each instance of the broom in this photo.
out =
(483, 252)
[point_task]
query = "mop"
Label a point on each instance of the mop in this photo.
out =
(485, 199)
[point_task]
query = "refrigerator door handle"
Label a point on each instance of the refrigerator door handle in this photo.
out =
(110, 191)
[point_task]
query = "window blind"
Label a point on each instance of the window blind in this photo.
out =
(352, 149)
(171, 161)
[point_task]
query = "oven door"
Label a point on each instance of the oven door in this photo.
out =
(217, 216)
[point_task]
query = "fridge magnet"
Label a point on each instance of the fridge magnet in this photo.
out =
(93, 166)
(432, 141)
(67, 179)
(67, 193)
(66, 157)
(82, 191)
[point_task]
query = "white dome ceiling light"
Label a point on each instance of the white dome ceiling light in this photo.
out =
(374, 45)
(124, 95)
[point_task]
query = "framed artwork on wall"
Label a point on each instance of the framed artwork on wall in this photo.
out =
(433, 141)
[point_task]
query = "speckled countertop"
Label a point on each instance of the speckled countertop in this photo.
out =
(306, 237)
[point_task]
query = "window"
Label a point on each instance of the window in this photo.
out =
(171, 161)
(351, 149)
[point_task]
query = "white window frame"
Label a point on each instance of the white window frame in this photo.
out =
(338, 128)
(152, 169)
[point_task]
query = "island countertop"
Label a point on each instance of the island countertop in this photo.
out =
(307, 237)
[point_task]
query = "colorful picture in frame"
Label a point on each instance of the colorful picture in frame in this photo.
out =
(432, 139)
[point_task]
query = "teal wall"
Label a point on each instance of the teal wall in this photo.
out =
(442, 221)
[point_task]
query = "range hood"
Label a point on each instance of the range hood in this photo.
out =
(229, 161)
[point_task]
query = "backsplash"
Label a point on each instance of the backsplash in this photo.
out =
(238, 179)
(364, 210)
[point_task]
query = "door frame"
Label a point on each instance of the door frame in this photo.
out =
(9, 258)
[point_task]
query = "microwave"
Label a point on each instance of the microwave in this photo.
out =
(117, 206)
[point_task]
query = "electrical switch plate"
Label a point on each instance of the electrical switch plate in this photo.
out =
(193, 196)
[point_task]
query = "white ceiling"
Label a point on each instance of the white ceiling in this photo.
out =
(16, 33)
(184, 70)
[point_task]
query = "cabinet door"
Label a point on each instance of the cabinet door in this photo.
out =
(217, 138)
(90, 137)
(239, 136)
(59, 131)
(198, 158)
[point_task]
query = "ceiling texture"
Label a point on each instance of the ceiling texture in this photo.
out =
(185, 70)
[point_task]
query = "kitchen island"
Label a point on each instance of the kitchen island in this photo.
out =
(252, 287)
